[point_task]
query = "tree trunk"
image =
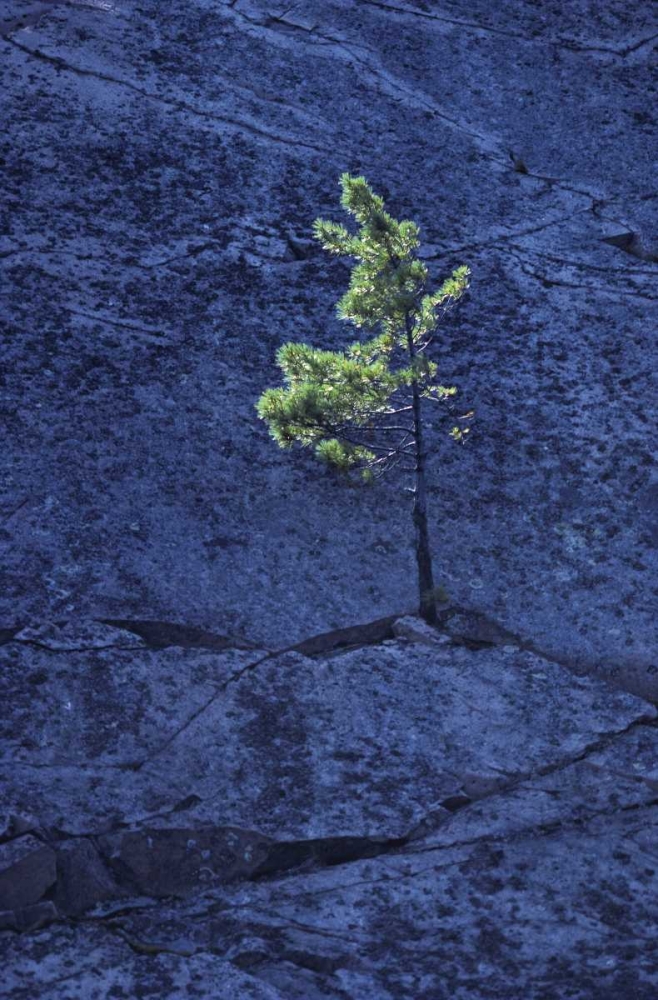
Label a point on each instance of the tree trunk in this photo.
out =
(423, 553)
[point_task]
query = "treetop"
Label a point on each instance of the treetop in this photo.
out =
(337, 401)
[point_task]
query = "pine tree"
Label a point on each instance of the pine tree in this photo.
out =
(362, 409)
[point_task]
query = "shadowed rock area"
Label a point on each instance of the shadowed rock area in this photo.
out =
(412, 817)
(212, 782)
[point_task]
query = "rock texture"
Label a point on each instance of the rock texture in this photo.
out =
(162, 165)
(413, 818)
(212, 783)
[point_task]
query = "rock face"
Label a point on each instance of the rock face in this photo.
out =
(412, 818)
(27, 871)
(162, 166)
(212, 783)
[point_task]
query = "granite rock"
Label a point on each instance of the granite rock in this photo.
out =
(464, 814)
(27, 871)
(162, 166)
(402, 820)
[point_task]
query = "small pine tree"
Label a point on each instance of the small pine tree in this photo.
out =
(361, 409)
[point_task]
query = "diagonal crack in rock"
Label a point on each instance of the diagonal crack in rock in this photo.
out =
(260, 133)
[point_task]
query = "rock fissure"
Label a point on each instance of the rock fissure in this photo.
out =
(397, 89)
(581, 265)
(294, 861)
(6, 517)
(113, 262)
(572, 44)
(167, 862)
(554, 281)
(520, 781)
(601, 743)
(141, 947)
(76, 649)
(622, 52)
(349, 638)
(488, 143)
(201, 710)
(300, 856)
(62, 65)
(269, 22)
(163, 634)
(504, 237)
(539, 829)
(392, 876)
(66, 762)
(631, 243)
(28, 20)
(150, 335)
(442, 19)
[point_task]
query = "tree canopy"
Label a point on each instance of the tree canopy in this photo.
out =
(338, 402)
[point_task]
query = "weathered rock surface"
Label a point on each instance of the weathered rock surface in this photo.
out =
(380, 813)
(83, 878)
(359, 744)
(27, 871)
(414, 818)
(162, 165)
